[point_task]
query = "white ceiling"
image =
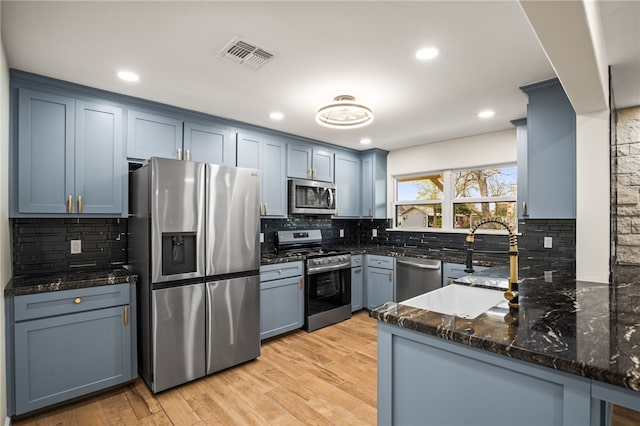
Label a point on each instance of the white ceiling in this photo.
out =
(325, 49)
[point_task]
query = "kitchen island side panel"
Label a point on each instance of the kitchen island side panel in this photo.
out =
(423, 379)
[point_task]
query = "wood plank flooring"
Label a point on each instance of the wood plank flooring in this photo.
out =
(327, 377)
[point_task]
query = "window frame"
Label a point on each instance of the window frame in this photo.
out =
(449, 200)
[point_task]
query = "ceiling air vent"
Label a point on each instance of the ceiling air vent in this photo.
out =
(247, 53)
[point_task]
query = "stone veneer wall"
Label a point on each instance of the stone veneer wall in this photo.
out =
(625, 178)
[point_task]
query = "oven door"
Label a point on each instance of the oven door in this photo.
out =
(328, 288)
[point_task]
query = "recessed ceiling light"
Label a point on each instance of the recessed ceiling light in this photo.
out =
(486, 114)
(427, 53)
(128, 76)
(365, 141)
(276, 115)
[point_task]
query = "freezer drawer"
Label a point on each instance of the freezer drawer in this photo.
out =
(233, 321)
(178, 335)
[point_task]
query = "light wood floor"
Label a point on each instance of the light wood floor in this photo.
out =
(324, 377)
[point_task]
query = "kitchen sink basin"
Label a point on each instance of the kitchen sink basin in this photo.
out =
(502, 283)
(459, 300)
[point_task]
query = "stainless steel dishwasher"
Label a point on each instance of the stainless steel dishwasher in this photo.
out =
(415, 276)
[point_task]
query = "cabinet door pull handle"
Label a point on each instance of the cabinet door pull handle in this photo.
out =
(390, 277)
(300, 282)
(188, 155)
(356, 260)
(77, 300)
(80, 204)
(369, 211)
(310, 173)
(126, 315)
(280, 271)
(357, 271)
(266, 209)
(524, 208)
(70, 204)
(179, 153)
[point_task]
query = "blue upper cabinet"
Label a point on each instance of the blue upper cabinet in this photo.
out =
(347, 175)
(310, 162)
(260, 152)
(550, 153)
(99, 159)
(70, 157)
(45, 152)
(374, 184)
(151, 135)
(209, 144)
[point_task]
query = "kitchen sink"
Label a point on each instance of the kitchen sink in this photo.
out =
(502, 283)
(458, 300)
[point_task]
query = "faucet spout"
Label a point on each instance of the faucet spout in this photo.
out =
(512, 291)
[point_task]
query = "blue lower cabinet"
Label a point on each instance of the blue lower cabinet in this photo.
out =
(357, 283)
(425, 377)
(81, 350)
(380, 280)
(281, 298)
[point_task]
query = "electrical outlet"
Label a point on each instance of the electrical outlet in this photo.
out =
(374, 233)
(548, 242)
(342, 233)
(262, 237)
(548, 276)
(76, 246)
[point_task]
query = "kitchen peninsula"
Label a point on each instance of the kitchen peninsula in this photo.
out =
(570, 349)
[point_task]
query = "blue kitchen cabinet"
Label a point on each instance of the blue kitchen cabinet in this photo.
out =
(310, 162)
(357, 283)
(550, 153)
(152, 135)
(70, 343)
(281, 298)
(207, 143)
(347, 176)
(523, 193)
(380, 280)
(374, 184)
(260, 152)
(69, 155)
(418, 373)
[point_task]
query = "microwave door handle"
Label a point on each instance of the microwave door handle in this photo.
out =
(330, 191)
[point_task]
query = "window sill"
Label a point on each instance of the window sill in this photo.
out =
(453, 231)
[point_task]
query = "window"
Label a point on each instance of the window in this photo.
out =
(457, 199)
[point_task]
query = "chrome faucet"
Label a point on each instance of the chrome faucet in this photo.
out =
(512, 291)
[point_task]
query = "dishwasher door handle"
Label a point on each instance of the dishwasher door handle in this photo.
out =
(418, 265)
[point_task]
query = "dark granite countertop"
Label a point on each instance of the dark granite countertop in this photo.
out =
(31, 284)
(446, 255)
(583, 328)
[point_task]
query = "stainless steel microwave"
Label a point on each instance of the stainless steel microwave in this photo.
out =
(311, 197)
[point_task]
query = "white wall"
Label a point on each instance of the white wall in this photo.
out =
(5, 252)
(480, 150)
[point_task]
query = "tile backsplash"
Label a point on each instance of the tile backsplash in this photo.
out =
(43, 246)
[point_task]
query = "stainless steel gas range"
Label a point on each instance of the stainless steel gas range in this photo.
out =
(327, 277)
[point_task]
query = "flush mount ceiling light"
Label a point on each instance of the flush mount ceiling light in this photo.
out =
(276, 115)
(344, 113)
(365, 141)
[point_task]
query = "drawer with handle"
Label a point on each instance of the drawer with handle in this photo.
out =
(63, 302)
(385, 262)
(356, 260)
(281, 270)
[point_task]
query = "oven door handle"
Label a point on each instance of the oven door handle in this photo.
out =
(326, 268)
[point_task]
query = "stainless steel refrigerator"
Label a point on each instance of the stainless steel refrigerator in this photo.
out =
(194, 243)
